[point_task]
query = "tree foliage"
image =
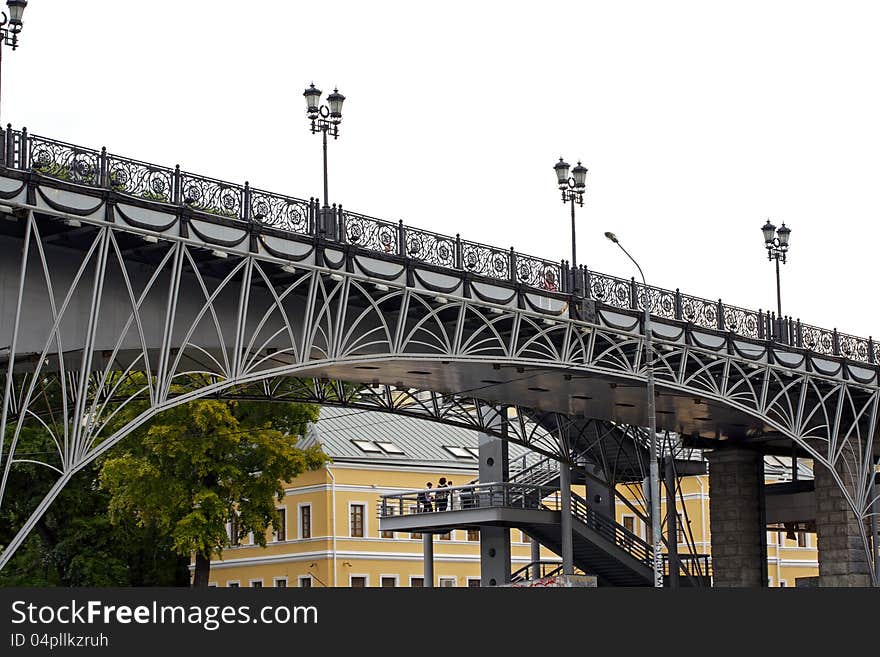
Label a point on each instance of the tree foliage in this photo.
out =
(195, 466)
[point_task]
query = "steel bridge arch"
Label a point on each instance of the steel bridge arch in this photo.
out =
(328, 322)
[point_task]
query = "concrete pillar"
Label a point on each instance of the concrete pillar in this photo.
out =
(536, 557)
(565, 517)
(428, 556)
(736, 509)
(842, 557)
(494, 541)
(601, 499)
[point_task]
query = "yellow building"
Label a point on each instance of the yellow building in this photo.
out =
(330, 534)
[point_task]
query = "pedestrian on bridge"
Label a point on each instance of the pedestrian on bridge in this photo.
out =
(424, 499)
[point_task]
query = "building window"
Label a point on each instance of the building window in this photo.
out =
(460, 452)
(782, 583)
(417, 582)
(367, 446)
(305, 521)
(389, 448)
(473, 534)
(233, 530)
(356, 520)
(801, 541)
(256, 583)
(280, 533)
(305, 582)
(679, 527)
(629, 524)
(524, 538)
(232, 585)
(281, 583)
(447, 582)
(388, 582)
(473, 582)
(358, 581)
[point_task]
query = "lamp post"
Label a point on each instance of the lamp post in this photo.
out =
(573, 189)
(654, 469)
(10, 26)
(777, 248)
(324, 119)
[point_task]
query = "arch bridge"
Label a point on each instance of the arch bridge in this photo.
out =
(127, 285)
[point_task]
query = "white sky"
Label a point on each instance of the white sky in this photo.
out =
(697, 120)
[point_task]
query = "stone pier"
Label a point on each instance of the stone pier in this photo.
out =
(842, 557)
(736, 509)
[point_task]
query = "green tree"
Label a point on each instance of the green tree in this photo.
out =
(193, 468)
(73, 543)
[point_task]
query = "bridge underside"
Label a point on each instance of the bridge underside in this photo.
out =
(100, 310)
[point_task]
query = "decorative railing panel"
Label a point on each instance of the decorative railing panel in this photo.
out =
(431, 248)
(535, 272)
(278, 211)
(614, 291)
(140, 179)
(370, 233)
(212, 196)
(485, 260)
(63, 161)
(84, 166)
(817, 339)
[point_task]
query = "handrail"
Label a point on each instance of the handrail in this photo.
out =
(473, 496)
(547, 465)
(696, 567)
(611, 531)
(512, 495)
(98, 168)
(545, 569)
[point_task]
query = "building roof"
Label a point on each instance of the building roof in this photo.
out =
(387, 438)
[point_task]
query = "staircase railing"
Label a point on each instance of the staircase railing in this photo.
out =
(527, 572)
(611, 531)
(695, 567)
(539, 474)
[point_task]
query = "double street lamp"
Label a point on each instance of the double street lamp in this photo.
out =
(777, 248)
(11, 25)
(324, 119)
(573, 189)
(654, 468)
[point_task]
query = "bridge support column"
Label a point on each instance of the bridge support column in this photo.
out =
(736, 508)
(842, 557)
(565, 519)
(428, 549)
(494, 541)
(671, 524)
(536, 558)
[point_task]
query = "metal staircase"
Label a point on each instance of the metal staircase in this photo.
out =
(601, 546)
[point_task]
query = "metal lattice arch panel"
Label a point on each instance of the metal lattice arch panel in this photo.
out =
(109, 303)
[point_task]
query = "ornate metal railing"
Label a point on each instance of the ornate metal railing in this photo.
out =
(98, 168)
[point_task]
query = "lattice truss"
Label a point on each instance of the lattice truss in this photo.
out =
(119, 342)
